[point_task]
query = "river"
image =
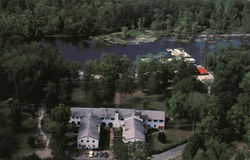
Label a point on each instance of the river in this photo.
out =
(76, 50)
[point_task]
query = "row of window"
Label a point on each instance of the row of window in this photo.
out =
(88, 141)
(111, 119)
(76, 117)
(150, 120)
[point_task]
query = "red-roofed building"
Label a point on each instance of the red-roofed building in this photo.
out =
(202, 71)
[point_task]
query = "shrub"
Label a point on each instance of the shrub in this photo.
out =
(31, 141)
(162, 137)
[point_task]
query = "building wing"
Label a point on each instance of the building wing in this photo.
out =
(133, 128)
(89, 127)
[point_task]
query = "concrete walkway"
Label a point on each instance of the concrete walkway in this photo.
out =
(172, 153)
(46, 152)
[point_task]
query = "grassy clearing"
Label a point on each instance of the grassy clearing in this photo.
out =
(47, 124)
(139, 100)
(79, 98)
(173, 136)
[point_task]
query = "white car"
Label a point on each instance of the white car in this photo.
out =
(91, 154)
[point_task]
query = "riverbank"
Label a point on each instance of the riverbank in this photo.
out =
(132, 37)
(146, 36)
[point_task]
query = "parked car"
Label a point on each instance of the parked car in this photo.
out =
(95, 154)
(101, 154)
(106, 155)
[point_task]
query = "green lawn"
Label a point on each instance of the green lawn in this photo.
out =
(173, 136)
(137, 99)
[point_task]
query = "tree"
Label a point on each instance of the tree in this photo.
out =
(61, 113)
(16, 114)
(51, 95)
(107, 75)
(138, 150)
(31, 157)
(24, 76)
(197, 106)
(120, 150)
(194, 144)
(124, 32)
(184, 70)
(126, 84)
(59, 141)
(239, 113)
(188, 85)
(177, 107)
(162, 137)
(8, 145)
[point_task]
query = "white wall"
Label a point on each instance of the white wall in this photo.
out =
(87, 143)
(75, 119)
(154, 124)
(119, 123)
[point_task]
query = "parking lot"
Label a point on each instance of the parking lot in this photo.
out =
(97, 155)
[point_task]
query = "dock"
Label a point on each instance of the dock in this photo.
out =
(181, 54)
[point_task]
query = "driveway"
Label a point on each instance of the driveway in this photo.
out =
(170, 153)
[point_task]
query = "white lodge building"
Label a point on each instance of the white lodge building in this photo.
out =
(134, 123)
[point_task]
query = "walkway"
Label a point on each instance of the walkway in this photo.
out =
(111, 137)
(46, 152)
(172, 153)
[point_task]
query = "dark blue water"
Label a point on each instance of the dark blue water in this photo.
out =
(78, 51)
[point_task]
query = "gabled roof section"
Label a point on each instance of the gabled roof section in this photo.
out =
(89, 126)
(133, 129)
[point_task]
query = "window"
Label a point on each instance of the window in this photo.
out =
(93, 146)
(112, 119)
(161, 120)
(93, 141)
(79, 145)
(87, 140)
(102, 118)
(154, 125)
(122, 119)
(149, 120)
(77, 117)
(73, 117)
(81, 140)
(149, 125)
(78, 123)
(155, 120)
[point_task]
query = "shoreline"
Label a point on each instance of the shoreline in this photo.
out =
(147, 36)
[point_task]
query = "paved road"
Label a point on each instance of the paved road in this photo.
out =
(169, 154)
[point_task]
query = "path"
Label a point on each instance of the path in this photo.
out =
(111, 132)
(46, 152)
(117, 98)
(172, 153)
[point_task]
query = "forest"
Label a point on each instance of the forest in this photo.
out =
(34, 75)
(35, 19)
